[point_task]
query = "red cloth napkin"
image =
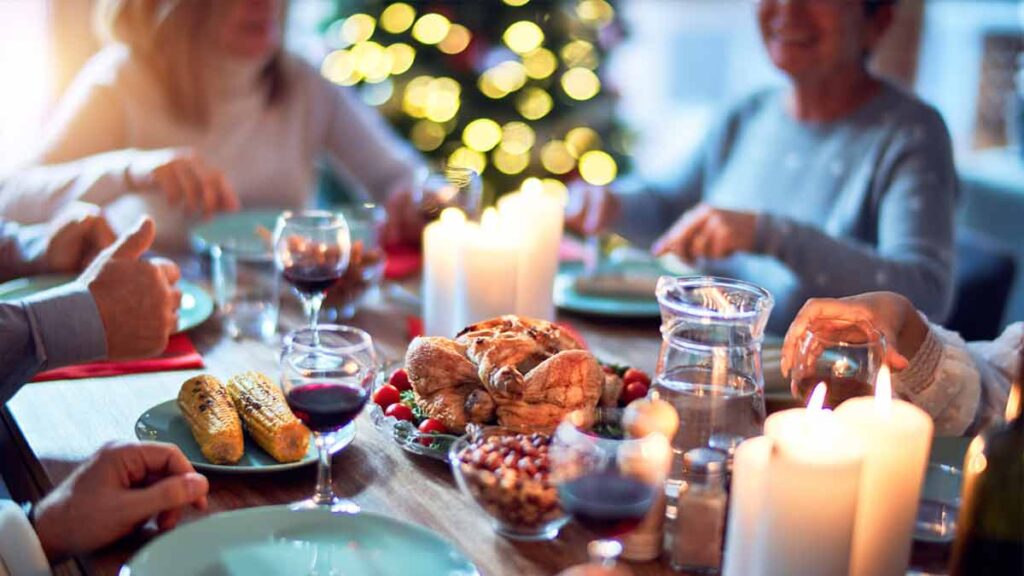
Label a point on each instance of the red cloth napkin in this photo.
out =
(179, 355)
(402, 261)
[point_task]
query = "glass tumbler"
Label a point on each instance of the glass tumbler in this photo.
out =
(246, 287)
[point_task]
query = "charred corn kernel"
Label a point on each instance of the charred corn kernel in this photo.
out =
(267, 417)
(205, 404)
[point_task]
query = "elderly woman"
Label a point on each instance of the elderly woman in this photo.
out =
(837, 184)
(195, 108)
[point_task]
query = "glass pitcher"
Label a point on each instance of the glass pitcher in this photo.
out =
(709, 366)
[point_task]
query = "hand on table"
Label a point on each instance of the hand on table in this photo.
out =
(708, 232)
(590, 209)
(114, 493)
(891, 314)
(74, 241)
(185, 179)
(137, 300)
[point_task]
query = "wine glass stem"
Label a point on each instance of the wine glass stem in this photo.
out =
(312, 305)
(324, 487)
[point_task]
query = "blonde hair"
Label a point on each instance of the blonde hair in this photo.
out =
(169, 37)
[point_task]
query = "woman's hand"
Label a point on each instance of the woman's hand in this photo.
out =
(891, 314)
(74, 241)
(708, 232)
(590, 209)
(182, 176)
(117, 491)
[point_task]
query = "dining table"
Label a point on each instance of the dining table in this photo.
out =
(54, 426)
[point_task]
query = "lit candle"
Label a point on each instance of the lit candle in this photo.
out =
(489, 270)
(535, 217)
(442, 247)
(795, 496)
(897, 436)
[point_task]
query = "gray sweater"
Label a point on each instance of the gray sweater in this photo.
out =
(856, 205)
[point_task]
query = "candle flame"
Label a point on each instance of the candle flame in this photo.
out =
(817, 401)
(1013, 401)
(883, 389)
(452, 216)
(489, 221)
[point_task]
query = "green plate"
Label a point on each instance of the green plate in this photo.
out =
(568, 298)
(164, 423)
(275, 540)
(196, 304)
(239, 227)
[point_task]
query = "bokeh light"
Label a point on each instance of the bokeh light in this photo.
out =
(442, 99)
(508, 163)
(580, 83)
(466, 158)
(427, 135)
(414, 99)
(597, 13)
(540, 63)
(555, 188)
(516, 2)
(517, 138)
(456, 41)
(373, 62)
(340, 67)
(534, 103)
(523, 36)
(431, 28)
(598, 167)
(358, 28)
(581, 139)
(482, 134)
(402, 57)
(579, 53)
(377, 94)
(488, 88)
(555, 157)
(397, 18)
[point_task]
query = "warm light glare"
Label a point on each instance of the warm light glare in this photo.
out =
(597, 13)
(582, 139)
(452, 217)
(1014, 399)
(534, 103)
(532, 187)
(556, 189)
(517, 138)
(598, 167)
(427, 135)
(489, 220)
(467, 158)
(556, 158)
(817, 401)
(579, 53)
(509, 163)
(488, 88)
(883, 389)
(372, 61)
(540, 63)
(358, 28)
(340, 67)
(580, 83)
(456, 41)
(508, 76)
(402, 57)
(397, 18)
(431, 28)
(516, 2)
(523, 36)
(975, 460)
(482, 134)
(442, 99)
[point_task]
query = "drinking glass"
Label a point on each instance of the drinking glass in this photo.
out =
(453, 186)
(604, 477)
(246, 288)
(327, 373)
(312, 251)
(845, 356)
(935, 525)
(366, 261)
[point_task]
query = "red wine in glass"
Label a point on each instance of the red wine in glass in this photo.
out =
(326, 407)
(609, 504)
(312, 280)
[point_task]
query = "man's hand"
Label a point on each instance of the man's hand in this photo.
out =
(114, 493)
(74, 242)
(185, 179)
(136, 299)
(708, 232)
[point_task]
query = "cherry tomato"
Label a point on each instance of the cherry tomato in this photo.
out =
(386, 395)
(608, 369)
(633, 391)
(431, 426)
(635, 375)
(400, 380)
(399, 411)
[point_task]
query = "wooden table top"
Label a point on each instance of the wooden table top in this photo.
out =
(60, 424)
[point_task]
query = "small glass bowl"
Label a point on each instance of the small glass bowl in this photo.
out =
(520, 499)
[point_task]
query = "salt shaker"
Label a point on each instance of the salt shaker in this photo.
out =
(696, 542)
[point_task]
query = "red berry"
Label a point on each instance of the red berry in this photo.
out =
(400, 380)
(633, 391)
(431, 426)
(386, 395)
(635, 375)
(399, 411)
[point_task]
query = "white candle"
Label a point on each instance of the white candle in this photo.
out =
(746, 501)
(489, 270)
(442, 247)
(535, 218)
(898, 437)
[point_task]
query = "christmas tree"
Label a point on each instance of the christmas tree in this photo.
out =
(510, 88)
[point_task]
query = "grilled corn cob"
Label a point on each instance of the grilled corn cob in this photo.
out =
(212, 419)
(267, 417)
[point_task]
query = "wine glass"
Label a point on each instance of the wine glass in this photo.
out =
(312, 251)
(844, 355)
(327, 373)
(453, 186)
(606, 479)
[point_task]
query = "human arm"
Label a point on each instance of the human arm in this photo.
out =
(21, 554)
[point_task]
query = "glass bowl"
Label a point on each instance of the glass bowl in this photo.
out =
(505, 471)
(405, 433)
(366, 265)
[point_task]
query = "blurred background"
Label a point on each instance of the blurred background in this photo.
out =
(598, 89)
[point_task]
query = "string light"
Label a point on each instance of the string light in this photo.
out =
(402, 57)
(456, 41)
(517, 138)
(426, 135)
(442, 99)
(597, 13)
(414, 100)
(516, 2)
(579, 53)
(488, 88)
(598, 167)
(504, 78)
(373, 62)
(556, 188)
(580, 83)
(508, 163)
(534, 103)
(358, 28)
(581, 139)
(397, 18)
(523, 36)
(340, 67)
(482, 134)
(431, 28)
(466, 158)
(540, 63)
(555, 157)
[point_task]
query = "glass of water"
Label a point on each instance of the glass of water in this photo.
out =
(247, 288)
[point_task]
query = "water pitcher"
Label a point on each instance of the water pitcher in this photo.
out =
(709, 367)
